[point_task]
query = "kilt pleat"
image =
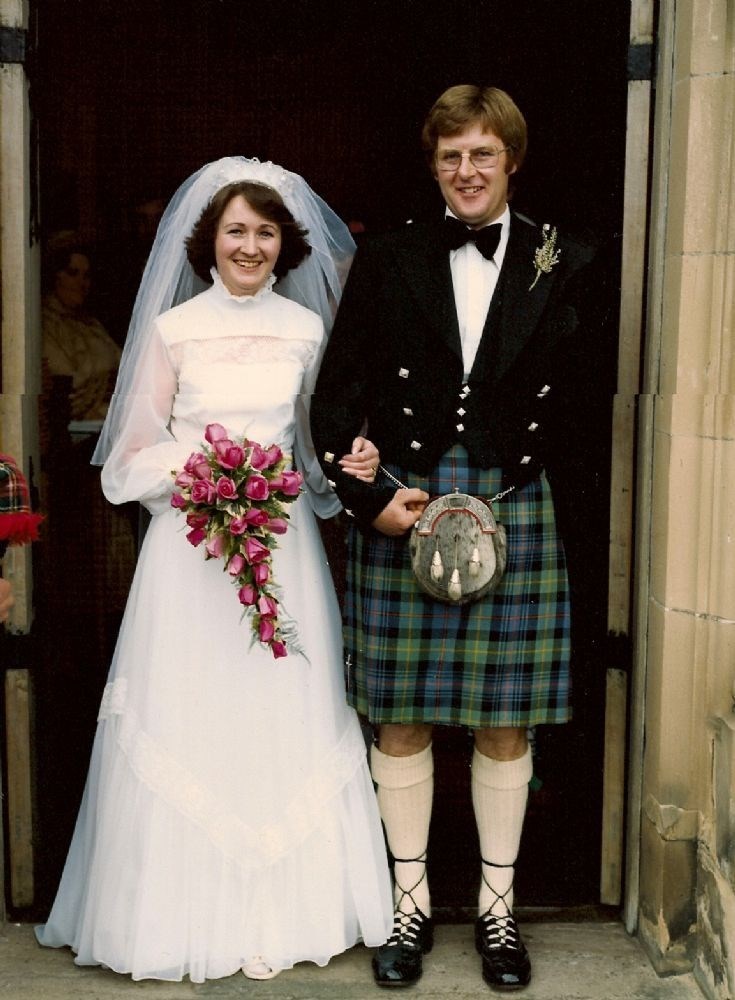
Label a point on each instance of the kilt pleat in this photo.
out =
(500, 661)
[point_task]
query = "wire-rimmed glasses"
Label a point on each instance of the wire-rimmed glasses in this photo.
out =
(481, 159)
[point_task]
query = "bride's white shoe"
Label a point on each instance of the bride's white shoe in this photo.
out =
(258, 968)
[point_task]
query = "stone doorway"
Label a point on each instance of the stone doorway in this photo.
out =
(132, 98)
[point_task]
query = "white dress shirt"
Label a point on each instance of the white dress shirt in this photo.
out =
(474, 280)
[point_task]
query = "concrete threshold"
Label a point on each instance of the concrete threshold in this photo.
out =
(572, 961)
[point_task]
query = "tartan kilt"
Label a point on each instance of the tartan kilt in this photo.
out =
(500, 661)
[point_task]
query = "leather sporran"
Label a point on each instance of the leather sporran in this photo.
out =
(458, 550)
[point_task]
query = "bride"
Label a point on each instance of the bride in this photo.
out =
(229, 820)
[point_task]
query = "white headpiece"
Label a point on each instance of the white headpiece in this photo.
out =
(168, 278)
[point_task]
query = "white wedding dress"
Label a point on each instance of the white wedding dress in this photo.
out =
(229, 810)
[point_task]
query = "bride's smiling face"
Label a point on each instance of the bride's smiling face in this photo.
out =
(246, 247)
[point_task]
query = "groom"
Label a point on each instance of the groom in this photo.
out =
(453, 345)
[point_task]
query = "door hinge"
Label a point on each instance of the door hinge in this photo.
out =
(640, 61)
(12, 45)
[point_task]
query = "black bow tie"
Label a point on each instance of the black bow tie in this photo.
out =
(456, 234)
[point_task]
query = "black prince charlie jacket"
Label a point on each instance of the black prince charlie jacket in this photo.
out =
(393, 364)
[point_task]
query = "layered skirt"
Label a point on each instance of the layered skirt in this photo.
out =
(229, 810)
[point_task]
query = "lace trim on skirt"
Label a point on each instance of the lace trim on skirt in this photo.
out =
(247, 846)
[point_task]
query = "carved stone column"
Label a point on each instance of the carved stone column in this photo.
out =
(686, 608)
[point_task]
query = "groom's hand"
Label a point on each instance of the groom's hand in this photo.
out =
(402, 512)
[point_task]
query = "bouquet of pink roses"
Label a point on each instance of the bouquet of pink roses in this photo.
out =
(234, 495)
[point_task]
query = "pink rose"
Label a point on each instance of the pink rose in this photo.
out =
(256, 487)
(278, 648)
(247, 595)
(196, 536)
(214, 432)
(253, 517)
(288, 483)
(203, 491)
(267, 606)
(216, 547)
(198, 465)
(178, 501)
(292, 483)
(278, 526)
(261, 573)
(236, 564)
(184, 479)
(197, 520)
(258, 458)
(226, 489)
(273, 456)
(229, 455)
(266, 629)
(255, 551)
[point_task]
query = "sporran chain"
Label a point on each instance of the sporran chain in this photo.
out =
(402, 486)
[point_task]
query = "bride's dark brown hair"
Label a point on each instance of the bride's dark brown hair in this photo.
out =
(264, 200)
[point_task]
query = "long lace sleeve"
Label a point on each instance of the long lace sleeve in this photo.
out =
(140, 464)
(324, 500)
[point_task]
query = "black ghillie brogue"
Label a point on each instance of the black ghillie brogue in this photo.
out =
(398, 962)
(505, 961)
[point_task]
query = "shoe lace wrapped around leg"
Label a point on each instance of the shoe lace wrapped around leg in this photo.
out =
(407, 926)
(498, 930)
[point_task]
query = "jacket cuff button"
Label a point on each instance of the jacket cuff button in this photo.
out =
(328, 456)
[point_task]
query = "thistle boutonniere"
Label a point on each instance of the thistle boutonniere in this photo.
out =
(546, 255)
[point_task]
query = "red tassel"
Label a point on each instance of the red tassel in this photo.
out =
(18, 529)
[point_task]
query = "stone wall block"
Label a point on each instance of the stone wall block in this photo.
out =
(705, 38)
(698, 354)
(701, 165)
(693, 505)
(673, 706)
(668, 913)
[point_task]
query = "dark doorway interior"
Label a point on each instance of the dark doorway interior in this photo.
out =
(131, 97)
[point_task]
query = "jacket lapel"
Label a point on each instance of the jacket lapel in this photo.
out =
(423, 263)
(515, 311)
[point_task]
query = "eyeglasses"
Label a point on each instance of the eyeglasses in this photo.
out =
(481, 159)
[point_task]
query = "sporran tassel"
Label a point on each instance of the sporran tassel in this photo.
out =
(437, 567)
(474, 567)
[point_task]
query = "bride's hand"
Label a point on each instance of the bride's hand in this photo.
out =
(363, 461)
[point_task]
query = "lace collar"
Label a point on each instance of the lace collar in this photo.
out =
(261, 293)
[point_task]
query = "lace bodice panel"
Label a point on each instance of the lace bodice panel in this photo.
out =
(249, 384)
(247, 363)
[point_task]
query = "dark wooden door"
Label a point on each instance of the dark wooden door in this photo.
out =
(131, 98)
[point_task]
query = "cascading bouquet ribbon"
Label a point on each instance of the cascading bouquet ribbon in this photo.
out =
(234, 495)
